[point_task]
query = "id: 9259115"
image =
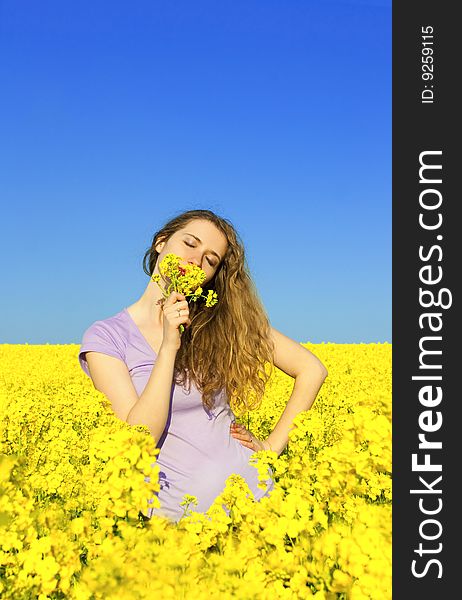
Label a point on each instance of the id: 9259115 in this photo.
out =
(426, 52)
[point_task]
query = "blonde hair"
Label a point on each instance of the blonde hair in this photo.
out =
(228, 346)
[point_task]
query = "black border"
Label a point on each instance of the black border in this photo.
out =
(419, 127)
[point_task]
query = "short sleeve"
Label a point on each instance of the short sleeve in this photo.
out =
(100, 337)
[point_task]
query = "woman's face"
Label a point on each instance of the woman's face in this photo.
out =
(198, 242)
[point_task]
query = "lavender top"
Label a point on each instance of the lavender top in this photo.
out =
(197, 450)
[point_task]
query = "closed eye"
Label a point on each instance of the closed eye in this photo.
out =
(212, 264)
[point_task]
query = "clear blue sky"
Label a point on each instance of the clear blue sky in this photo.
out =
(116, 116)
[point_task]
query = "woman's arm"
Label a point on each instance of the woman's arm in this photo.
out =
(111, 377)
(153, 405)
(309, 374)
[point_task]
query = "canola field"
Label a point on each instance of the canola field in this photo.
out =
(72, 485)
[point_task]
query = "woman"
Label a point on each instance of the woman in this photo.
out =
(182, 386)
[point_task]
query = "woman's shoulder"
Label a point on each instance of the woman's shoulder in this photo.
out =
(108, 336)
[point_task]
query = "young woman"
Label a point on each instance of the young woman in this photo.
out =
(184, 387)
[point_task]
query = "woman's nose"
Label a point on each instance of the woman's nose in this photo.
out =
(194, 261)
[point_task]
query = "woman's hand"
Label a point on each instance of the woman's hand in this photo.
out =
(176, 312)
(240, 433)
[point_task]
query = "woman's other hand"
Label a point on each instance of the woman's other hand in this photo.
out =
(243, 435)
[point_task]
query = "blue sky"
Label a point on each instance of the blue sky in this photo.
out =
(116, 116)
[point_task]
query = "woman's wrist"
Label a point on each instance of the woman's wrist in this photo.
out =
(267, 445)
(168, 351)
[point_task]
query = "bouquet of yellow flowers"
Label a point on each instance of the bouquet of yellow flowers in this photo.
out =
(185, 278)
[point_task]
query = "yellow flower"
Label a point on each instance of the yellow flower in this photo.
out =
(185, 278)
(211, 299)
(324, 529)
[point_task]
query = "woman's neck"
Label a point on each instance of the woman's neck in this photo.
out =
(147, 308)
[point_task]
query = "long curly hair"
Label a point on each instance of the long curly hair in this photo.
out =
(228, 347)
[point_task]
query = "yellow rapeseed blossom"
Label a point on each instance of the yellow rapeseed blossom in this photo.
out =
(185, 278)
(76, 482)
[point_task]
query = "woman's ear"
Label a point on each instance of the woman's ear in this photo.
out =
(158, 247)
